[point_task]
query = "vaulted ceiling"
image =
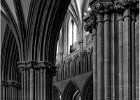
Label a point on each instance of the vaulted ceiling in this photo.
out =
(29, 31)
(35, 24)
(24, 4)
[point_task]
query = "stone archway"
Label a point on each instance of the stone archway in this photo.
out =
(56, 93)
(71, 92)
(87, 92)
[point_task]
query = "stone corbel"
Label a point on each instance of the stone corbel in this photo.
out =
(90, 21)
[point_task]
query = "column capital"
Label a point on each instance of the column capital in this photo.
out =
(37, 65)
(11, 83)
(109, 6)
(121, 5)
(102, 6)
(21, 65)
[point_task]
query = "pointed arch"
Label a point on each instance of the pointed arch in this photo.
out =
(10, 20)
(10, 56)
(85, 61)
(56, 93)
(72, 68)
(87, 91)
(70, 90)
(78, 65)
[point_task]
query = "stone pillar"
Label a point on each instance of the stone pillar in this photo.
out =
(100, 58)
(40, 81)
(24, 83)
(133, 78)
(137, 57)
(10, 89)
(120, 55)
(94, 67)
(21, 68)
(107, 57)
(91, 27)
(126, 55)
(41, 84)
(126, 52)
(45, 89)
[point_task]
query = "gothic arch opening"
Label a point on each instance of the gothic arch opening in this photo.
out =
(9, 73)
(71, 92)
(87, 92)
(56, 93)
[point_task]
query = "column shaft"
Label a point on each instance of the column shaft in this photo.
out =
(133, 77)
(94, 60)
(9, 88)
(38, 86)
(120, 55)
(136, 56)
(113, 54)
(100, 58)
(12, 92)
(32, 84)
(107, 57)
(126, 55)
(22, 86)
(45, 84)
(26, 88)
(27, 84)
(35, 77)
(2, 92)
(41, 84)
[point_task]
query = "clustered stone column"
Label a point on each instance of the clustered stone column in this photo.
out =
(117, 78)
(10, 90)
(126, 18)
(36, 80)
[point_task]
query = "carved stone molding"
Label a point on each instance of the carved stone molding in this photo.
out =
(107, 7)
(91, 22)
(122, 5)
(11, 83)
(102, 7)
(37, 65)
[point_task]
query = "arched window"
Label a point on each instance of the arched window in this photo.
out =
(72, 35)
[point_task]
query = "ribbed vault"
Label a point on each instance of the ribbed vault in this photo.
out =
(36, 38)
(9, 57)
